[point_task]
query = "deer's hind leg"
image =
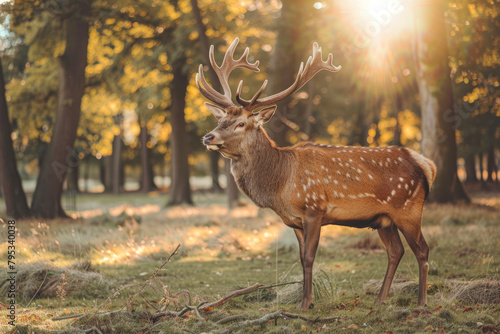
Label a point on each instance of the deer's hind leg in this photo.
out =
(412, 232)
(395, 250)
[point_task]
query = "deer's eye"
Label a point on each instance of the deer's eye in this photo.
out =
(241, 124)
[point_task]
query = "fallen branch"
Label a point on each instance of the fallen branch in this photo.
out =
(76, 316)
(310, 320)
(230, 318)
(232, 295)
(82, 315)
(259, 321)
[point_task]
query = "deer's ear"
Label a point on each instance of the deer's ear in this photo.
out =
(217, 111)
(265, 115)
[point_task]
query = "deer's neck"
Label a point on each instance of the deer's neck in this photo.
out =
(262, 170)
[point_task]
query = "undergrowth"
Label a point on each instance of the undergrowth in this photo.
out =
(91, 269)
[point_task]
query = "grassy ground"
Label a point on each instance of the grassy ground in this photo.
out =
(103, 257)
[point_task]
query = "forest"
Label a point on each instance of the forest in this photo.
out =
(103, 170)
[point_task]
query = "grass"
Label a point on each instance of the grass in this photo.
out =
(116, 243)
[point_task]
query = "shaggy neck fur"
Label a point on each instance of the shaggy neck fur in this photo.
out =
(262, 170)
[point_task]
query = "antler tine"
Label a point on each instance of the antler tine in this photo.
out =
(228, 65)
(313, 65)
(241, 101)
(244, 102)
(209, 92)
(279, 96)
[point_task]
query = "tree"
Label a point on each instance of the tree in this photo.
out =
(10, 181)
(437, 103)
(58, 158)
(180, 191)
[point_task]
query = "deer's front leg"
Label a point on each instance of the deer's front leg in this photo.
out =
(311, 231)
(300, 238)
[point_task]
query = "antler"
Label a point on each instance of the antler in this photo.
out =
(313, 65)
(227, 66)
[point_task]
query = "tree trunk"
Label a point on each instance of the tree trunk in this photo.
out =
(484, 186)
(10, 180)
(151, 173)
(232, 188)
(58, 158)
(180, 191)
(117, 146)
(436, 96)
(1, 188)
(73, 176)
(214, 170)
(491, 164)
(470, 168)
(86, 173)
(143, 137)
(107, 173)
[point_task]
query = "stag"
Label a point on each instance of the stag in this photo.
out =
(311, 185)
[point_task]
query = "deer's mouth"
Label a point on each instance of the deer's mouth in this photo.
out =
(214, 147)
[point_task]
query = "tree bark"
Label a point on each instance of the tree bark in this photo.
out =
(180, 191)
(232, 188)
(117, 147)
(86, 173)
(1, 187)
(151, 173)
(72, 181)
(214, 170)
(470, 168)
(491, 165)
(107, 173)
(436, 96)
(59, 156)
(143, 136)
(10, 180)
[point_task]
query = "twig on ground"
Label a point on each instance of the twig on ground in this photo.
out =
(230, 318)
(93, 329)
(82, 315)
(259, 321)
(310, 320)
(76, 316)
(148, 303)
(232, 295)
(46, 272)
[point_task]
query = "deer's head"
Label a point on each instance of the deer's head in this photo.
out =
(239, 124)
